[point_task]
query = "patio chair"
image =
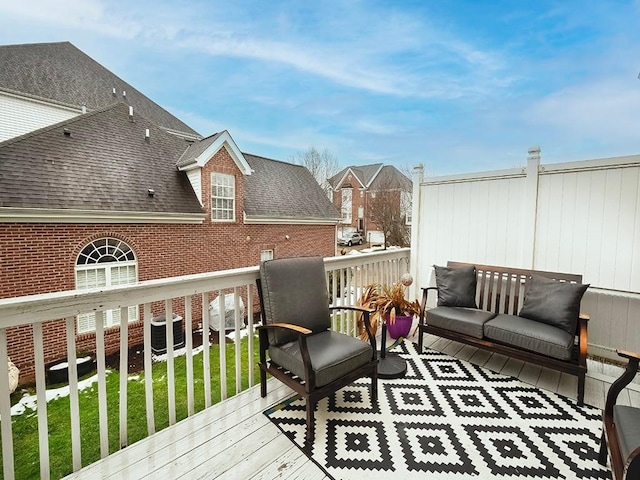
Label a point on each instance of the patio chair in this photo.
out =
(304, 353)
(621, 427)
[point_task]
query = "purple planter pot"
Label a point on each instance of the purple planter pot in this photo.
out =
(401, 327)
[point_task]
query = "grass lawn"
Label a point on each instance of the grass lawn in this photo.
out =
(25, 426)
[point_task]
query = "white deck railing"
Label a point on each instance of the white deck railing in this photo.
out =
(346, 277)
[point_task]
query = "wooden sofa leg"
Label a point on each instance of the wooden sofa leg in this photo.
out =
(581, 378)
(602, 456)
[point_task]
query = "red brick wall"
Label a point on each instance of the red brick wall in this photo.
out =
(40, 258)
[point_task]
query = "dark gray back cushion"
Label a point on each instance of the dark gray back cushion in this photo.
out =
(294, 290)
(553, 302)
(456, 286)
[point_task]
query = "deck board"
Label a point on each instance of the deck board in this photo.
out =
(234, 439)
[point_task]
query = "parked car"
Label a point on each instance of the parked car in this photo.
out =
(349, 239)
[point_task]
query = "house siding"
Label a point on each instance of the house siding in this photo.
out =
(19, 115)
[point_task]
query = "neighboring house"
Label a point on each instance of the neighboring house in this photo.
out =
(111, 197)
(355, 189)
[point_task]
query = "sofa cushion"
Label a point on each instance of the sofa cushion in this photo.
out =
(530, 335)
(469, 321)
(324, 348)
(456, 286)
(553, 302)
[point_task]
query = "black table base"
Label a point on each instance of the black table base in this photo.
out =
(390, 365)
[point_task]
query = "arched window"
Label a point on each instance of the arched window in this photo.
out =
(102, 263)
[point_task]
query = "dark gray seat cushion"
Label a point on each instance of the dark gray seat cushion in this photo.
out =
(469, 321)
(627, 420)
(332, 356)
(530, 335)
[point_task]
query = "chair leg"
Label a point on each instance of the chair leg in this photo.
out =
(602, 456)
(374, 387)
(420, 339)
(311, 407)
(581, 378)
(263, 382)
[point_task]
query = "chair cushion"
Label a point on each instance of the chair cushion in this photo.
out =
(294, 290)
(553, 302)
(627, 420)
(456, 286)
(530, 335)
(332, 355)
(469, 321)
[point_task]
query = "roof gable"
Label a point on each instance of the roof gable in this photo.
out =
(200, 152)
(364, 174)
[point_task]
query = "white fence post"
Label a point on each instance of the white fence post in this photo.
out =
(530, 208)
(417, 177)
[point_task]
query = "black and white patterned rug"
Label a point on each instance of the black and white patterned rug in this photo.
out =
(447, 419)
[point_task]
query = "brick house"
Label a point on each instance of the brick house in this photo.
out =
(112, 196)
(354, 191)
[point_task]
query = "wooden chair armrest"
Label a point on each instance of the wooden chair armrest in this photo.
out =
(288, 326)
(584, 316)
(624, 380)
(628, 355)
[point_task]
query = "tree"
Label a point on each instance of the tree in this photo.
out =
(385, 207)
(322, 165)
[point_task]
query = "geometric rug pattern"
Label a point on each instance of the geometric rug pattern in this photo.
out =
(447, 419)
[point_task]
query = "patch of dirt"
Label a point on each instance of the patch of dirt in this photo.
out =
(136, 353)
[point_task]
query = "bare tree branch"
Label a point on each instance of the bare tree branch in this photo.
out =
(322, 165)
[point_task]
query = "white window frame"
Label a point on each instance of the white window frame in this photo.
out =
(105, 258)
(223, 197)
(407, 206)
(266, 255)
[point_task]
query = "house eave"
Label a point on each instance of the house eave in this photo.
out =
(270, 220)
(62, 215)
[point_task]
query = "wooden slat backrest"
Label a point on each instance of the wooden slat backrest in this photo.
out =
(501, 289)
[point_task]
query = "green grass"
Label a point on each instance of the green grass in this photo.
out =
(25, 427)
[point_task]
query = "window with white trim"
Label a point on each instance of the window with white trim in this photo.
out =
(103, 263)
(347, 203)
(223, 197)
(266, 255)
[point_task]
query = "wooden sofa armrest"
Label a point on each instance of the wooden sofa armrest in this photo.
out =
(584, 316)
(423, 304)
(366, 317)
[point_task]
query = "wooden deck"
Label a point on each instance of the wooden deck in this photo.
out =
(234, 440)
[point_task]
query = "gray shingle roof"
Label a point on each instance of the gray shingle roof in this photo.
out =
(283, 190)
(105, 165)
(64, 74)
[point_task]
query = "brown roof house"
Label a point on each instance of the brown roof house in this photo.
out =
(126, 192)
(374, 200)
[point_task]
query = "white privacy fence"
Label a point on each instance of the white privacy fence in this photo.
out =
(579, 217)
(188, 296)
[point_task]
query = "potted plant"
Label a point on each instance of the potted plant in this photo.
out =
(389, 305)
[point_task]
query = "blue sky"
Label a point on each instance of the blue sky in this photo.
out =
(459, 86)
